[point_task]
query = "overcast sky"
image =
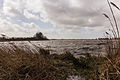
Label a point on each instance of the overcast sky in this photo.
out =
(60, 19)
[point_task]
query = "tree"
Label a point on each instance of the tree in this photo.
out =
(39, 35)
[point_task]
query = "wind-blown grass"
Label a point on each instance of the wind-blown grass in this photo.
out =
(110, 70)
(23, 65)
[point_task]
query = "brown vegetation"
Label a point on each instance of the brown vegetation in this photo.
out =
(110, 70)
(23, 65)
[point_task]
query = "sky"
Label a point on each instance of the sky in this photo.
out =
(56, 19)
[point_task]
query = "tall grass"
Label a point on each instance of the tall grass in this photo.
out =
(110, 70)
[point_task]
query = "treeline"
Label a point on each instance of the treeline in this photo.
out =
(108, 38)
(37, 36)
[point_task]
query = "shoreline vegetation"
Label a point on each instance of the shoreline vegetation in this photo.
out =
(36, 37)
(20, 64)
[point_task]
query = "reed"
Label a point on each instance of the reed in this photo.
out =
(114, 18)
(110, 70)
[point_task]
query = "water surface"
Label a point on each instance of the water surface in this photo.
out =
(76, 47)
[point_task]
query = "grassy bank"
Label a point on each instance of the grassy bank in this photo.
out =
(26, 65)
(21, 65)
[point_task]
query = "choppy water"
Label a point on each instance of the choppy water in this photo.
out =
(76, 47)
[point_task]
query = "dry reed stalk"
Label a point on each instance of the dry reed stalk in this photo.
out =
(110, 70)
(113, 31)
(114, 19)
(114, 66)
(115, 5)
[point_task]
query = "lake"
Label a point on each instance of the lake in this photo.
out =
(76, 47)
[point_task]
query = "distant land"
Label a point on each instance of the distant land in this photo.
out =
(83, 39)
(37, 36)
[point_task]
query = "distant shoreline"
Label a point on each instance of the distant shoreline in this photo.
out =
(32, 39)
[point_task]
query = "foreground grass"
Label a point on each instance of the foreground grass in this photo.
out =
(22, 65)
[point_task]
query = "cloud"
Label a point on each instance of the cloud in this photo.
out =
(67, 13)
(29, 15)
(71, 15)
(24, 29)
(10, 28)
(13, 8)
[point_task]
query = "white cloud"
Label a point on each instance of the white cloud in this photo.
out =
(10, 28)
(29, 15)
(13, 7)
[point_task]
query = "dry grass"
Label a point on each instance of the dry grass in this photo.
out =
(110, 70)
(23, 65)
